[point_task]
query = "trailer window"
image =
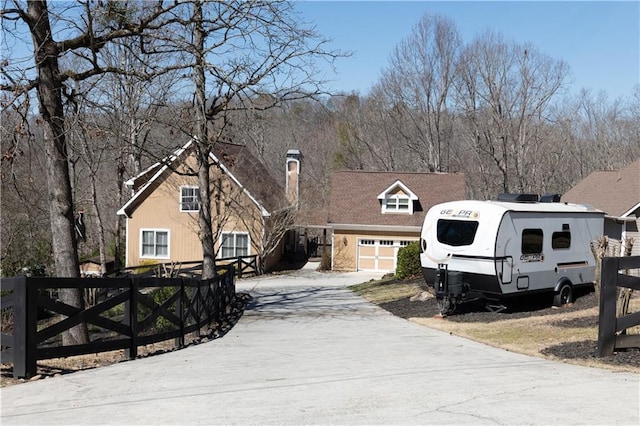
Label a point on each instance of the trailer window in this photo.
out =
(456, 232)
(561, 240)
(531, 241)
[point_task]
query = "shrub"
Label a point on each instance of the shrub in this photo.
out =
(146, 266)
(409, 261)
(325, 262)
(159, 296)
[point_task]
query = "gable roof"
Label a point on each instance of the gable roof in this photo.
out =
(246, 171)
(398, 184)
(354, 196)
(615, 192)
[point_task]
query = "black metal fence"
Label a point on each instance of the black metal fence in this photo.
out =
(609, 324)
(131, 312)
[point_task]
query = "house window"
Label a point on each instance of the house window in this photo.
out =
(189, 199)
(235, 244)
(404, 243)
(155, 244)
(397, 203)
(386, 242)
(367, 242)
(397, 198)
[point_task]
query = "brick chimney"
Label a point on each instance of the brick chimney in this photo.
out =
(294, 157)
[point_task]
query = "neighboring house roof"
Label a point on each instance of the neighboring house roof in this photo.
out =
(311, 219)
(615, 192)
(354, 201)
(235, 161)
(96, 260)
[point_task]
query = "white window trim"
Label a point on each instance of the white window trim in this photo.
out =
(387, 195)
(180, 198)
(396, 209)
(224, 233)
(144, 256)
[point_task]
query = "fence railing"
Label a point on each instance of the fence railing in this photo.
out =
(609, 325)
(132, 312)
(243, 265)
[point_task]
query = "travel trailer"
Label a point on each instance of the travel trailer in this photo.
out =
(517, 245)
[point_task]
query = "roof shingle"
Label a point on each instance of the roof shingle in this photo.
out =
(614, 192)
(354, 195)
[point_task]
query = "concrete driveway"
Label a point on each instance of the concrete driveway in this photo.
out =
(308, 351)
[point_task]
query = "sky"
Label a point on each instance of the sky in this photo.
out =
(599, 40)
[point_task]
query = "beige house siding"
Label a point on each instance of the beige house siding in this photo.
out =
(160, 211)
(90, 270)
(351, 253)
(373, 214)
(635, 249)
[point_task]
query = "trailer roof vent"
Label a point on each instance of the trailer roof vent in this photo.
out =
(550, 198)
(518, 198)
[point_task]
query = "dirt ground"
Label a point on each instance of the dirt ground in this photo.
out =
(583, 313)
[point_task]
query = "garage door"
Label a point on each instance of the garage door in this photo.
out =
(378, 254)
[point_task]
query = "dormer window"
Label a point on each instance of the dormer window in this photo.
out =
(189, 199)
(397, 198)
(397, 203)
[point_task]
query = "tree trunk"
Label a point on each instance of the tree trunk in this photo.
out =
(599, 249)
(120, 223)
(101, 240)
(60, 198)
(203, 149)
(204, 217)
(624, 296)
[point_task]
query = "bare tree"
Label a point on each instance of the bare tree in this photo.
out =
(82, 36)
(504, 93)
(367, 131)
(246, 55)
(132, 111)
(605, 130)
(24, 230)
(418, 83)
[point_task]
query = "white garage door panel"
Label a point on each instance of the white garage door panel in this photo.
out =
(379, 254)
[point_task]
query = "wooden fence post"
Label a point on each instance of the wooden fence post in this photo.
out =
(181, 312)
(131, 317)
(25, 317)
(607, 322)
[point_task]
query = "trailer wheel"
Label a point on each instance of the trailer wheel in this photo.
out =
(564, 295)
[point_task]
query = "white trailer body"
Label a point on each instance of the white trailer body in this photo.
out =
(501, 249)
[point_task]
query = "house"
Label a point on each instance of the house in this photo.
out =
(373, 214)
(249, 209)
(617, 193)
(92, 267)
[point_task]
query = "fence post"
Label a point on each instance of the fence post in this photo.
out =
(607, 321)
(239, 267)
(131, 318)
(181, 312)
(201, 308)
(25, 317)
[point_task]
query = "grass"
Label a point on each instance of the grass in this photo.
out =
(385, 290)
(524, 335)
(530, 336)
